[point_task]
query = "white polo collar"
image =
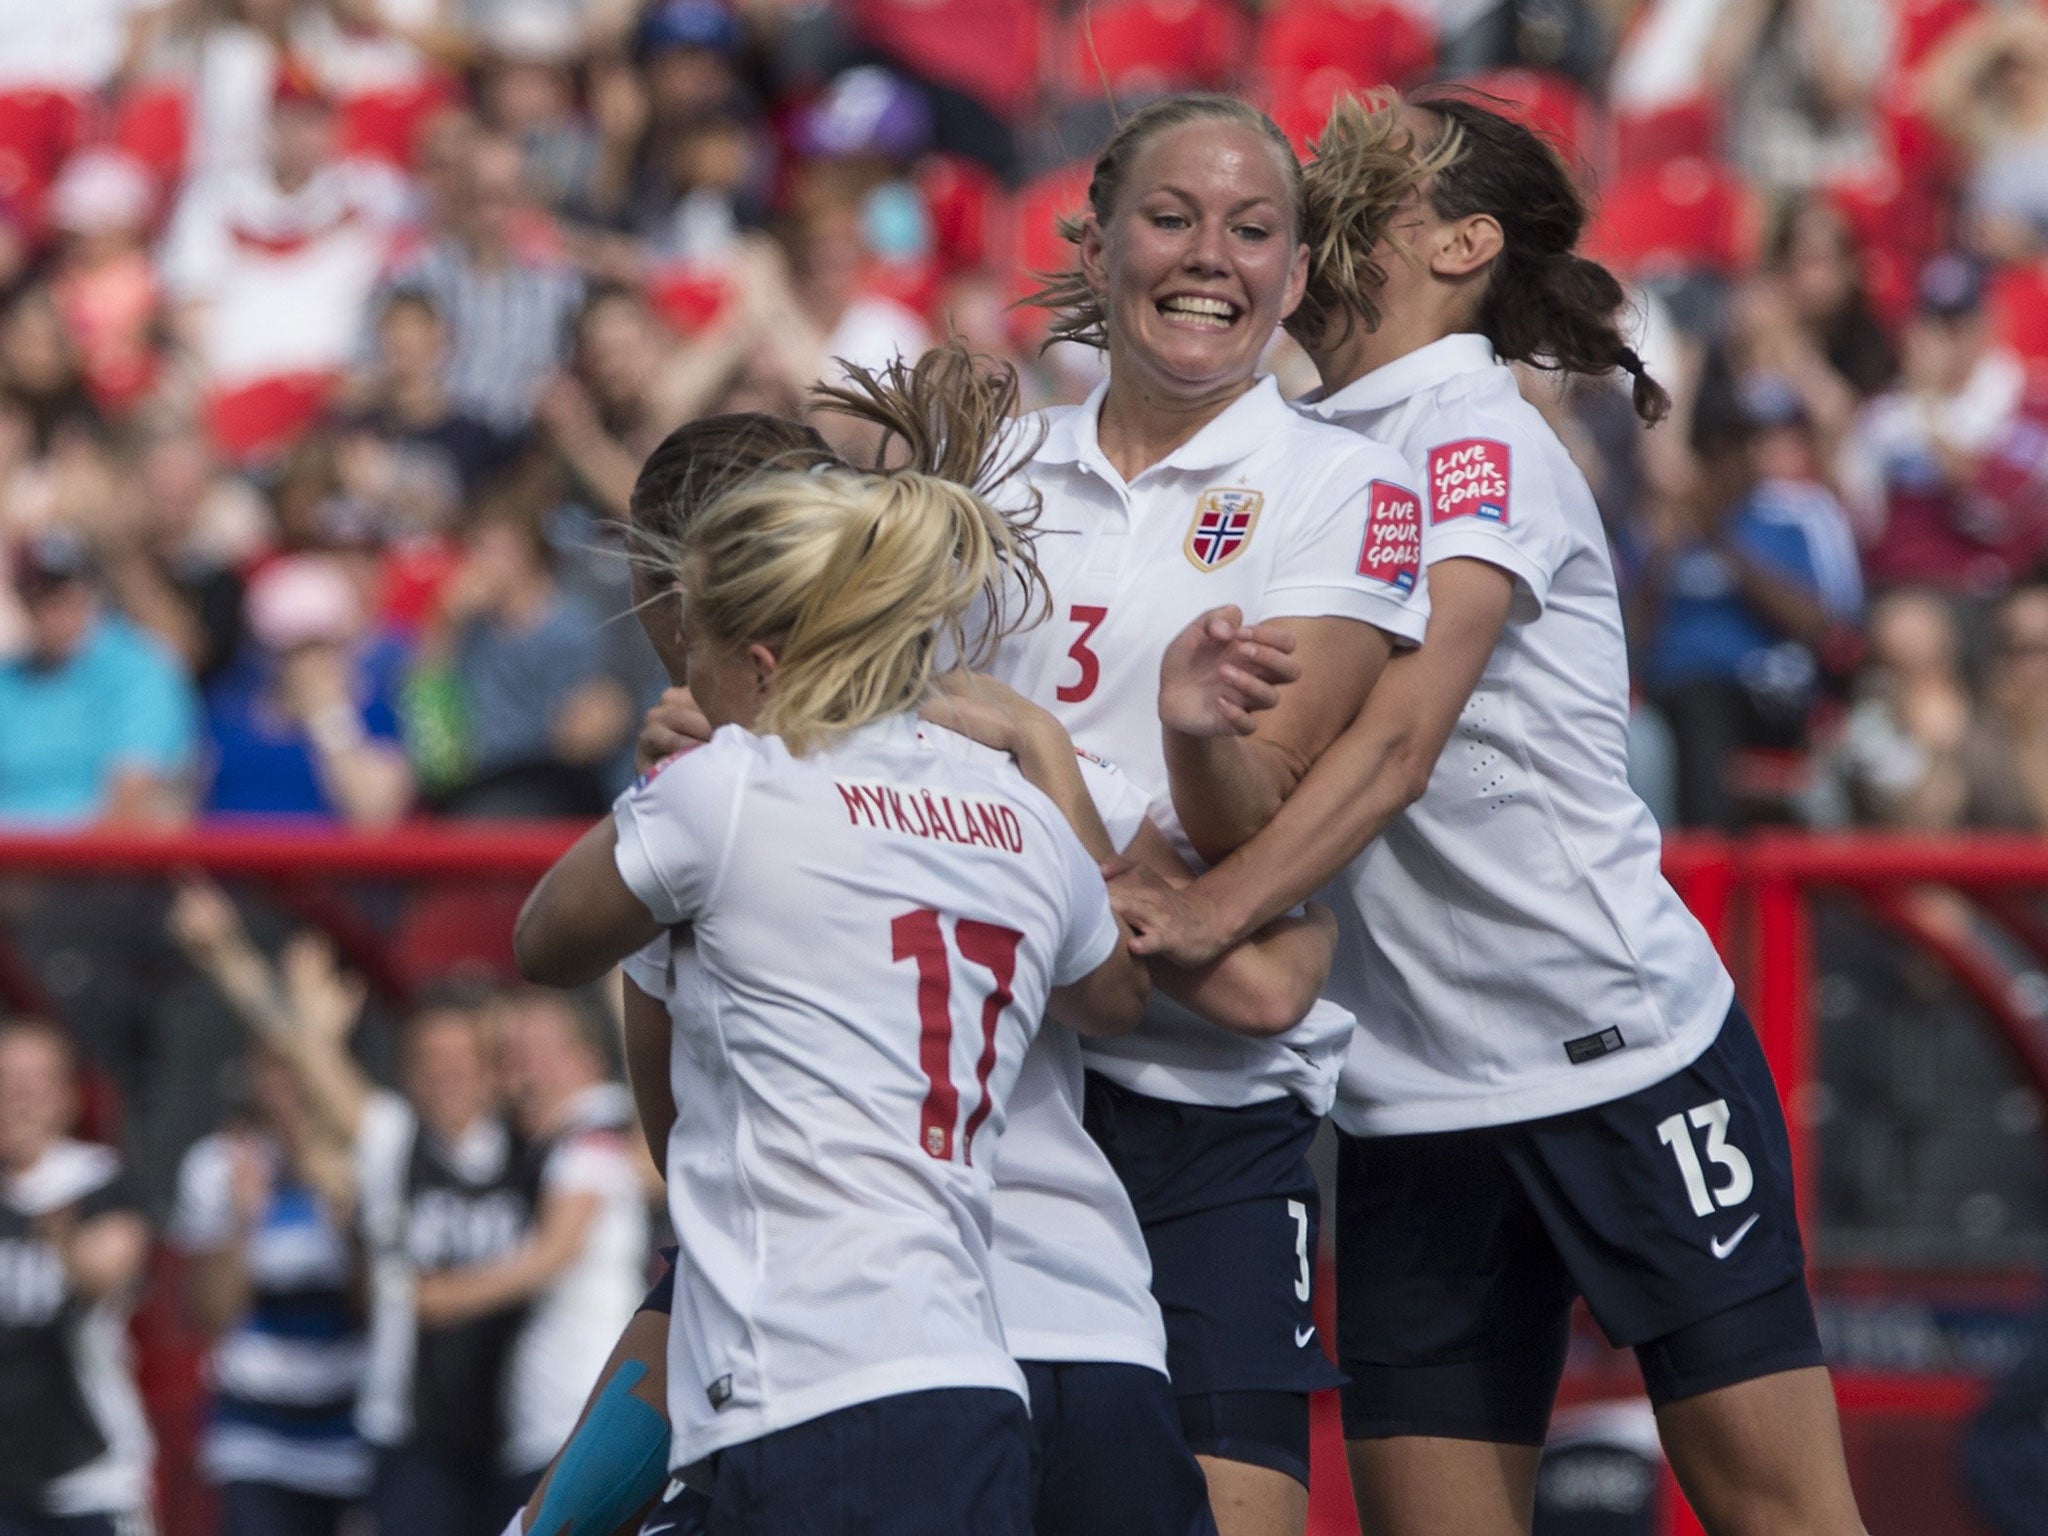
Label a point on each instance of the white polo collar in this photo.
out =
(1391, 383)
(1247, 422)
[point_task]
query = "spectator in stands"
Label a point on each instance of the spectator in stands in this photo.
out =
(1741, 603)
(1986, 86)
(75, 1449)
(39, 368)
(1911, 462)
(104, 281)
(1899, 762)
(828, 259)
(526, 89)
(305, 722)
(97, 722)
(630, 384)
(507, 305)
(1804, 317)
(265, 1211)
(272, 266)
(178, 573)
(404, 407)
(520, 663)
(2007, 754)
(581, 1269)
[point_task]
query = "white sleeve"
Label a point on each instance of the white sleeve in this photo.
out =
(1355, 551)
(591, 1162)
(202, 1220)
(1091, 935)
(1122, 806)
(1490, 497)
(647, 968)
(383, 1143)
(676, 826)
(195, 249)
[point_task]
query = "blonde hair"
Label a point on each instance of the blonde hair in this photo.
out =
(855, 579)
(1362, 165)
(1079, 312)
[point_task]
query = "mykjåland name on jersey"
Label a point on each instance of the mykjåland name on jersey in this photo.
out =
(974, 820)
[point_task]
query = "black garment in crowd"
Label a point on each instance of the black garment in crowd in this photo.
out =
(47, 1428)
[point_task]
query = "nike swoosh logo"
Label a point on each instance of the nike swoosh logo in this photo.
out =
(1303, 1335)
(1722, 1248)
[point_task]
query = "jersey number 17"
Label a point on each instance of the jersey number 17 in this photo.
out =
(919, 937)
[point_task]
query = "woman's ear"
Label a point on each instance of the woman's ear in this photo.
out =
(1467, 245)
(764, 662)
(1297, 282)
(1090, 254)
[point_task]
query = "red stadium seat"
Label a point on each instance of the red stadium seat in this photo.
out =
(2019, 309)
(961, 197)
(38, 131)
(1687, 215)
(1311, 52)
(150, 123)
(1150, 47)
(1553, 105)
(384, 125)
(1642, 140)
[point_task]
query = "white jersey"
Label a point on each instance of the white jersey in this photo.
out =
(878, 927)
(1073, 1279)
(570, 1327)
(1510, 945)
(1285, 518)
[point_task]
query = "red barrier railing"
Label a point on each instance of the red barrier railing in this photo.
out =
(1752, 896)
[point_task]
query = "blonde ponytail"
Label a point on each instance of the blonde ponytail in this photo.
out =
(856, 580)
(1361, 166)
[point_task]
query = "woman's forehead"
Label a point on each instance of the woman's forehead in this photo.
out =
(1211, 156)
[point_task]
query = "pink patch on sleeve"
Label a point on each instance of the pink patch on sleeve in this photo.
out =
(1469, 478)
(1393, 536)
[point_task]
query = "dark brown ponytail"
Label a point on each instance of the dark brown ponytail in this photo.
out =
(1544, 304)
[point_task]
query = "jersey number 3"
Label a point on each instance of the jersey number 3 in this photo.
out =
(1090, 619)
(918, 936)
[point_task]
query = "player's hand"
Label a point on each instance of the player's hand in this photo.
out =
(675, 724)
(1220, 672)
(1174, 925)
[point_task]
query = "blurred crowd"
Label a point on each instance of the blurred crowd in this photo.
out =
(332, 331)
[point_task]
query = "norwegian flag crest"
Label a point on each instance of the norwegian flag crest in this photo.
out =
(1224, 519)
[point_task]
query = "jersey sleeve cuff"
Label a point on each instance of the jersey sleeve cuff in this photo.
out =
(1532, 582)
(1401, 619)
(636, 868)
(1100, 945)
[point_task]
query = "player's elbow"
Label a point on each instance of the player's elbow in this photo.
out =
(1275, 1004)
(1109, 1001)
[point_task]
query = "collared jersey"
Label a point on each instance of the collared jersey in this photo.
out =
(878, 927)
(1510, 944)
(1287, 518)
(1073, 1280)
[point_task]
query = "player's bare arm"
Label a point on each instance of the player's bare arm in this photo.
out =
(1227, 786)
(582, 919)
(646, 1051)
(1375, 770)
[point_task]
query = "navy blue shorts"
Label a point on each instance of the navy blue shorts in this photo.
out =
(662, 1297)
(1109, 1457)
(1230, 1212)
(918, 1464)
(1670, 1210)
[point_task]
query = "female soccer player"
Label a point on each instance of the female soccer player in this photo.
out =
(1185, 486)
(1071, 1272)
(1551, 1091)
(882, 913)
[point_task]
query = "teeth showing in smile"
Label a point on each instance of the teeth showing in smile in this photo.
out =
(1211, 314)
